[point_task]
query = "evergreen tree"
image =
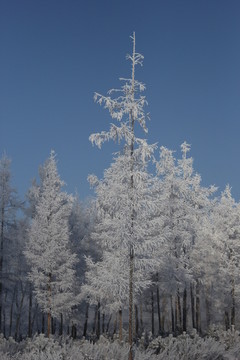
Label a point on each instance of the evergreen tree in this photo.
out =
(8, 208)
(128, 110)
(183, 206)
(108, 279)
(48, 251)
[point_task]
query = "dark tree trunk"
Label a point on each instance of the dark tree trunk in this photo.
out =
(86, 321)
(43, 323)
(103, 323)
(176, 313)
(94, 329)
(30, 313)
(141, 318)
(159, 312)
(61, 325)
(120, 325)
(53, 325)
(233, 302)
(198, 314)
(172, 315)
(226, 319)
(74, 331)
(11, 313)
(208, 314)
(4, 322)
(152, 308)
(35, 316)
(115, 325)
(19, 317)
(179, 310)
(192, 306)
(98, 320)
(108, 324)
(130, 320)
(49, 324)
(49, 305)
(185, 309)
(136, 322)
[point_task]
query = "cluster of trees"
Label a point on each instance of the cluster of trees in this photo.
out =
(156, 245)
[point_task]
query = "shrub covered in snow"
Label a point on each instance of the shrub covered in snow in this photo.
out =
(185, 347)
(222, 346)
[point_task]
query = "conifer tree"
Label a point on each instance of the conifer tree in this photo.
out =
(128, 111)
(183, 207)
(48, 251)
(8, 207)
(226, 242)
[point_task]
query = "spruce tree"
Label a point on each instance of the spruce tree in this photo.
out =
(127, 109)
(48, 251)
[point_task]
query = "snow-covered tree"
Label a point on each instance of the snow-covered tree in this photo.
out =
(226, 241)
(182, 204)
(111, 276)
(127, 109)
(8, 208)
(81, 222)
(48, 250)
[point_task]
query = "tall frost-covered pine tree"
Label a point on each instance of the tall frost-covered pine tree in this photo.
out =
(48, 251)
(127, 109)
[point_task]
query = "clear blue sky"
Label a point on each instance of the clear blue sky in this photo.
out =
(55, 53)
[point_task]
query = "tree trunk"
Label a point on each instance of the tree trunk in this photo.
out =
(49, 305)
(207, 304)
(52, 326)
(86, 321)
(61, 325)
(179, 310)
(43, 323)
(35, 316)
(120, 325)
(176, 313)
(131, 253)
(98, 320)
(159, 312)
(152, 307)
(141, 318)
(115, 324)
(94, 330)
(19, 315)
(198, 314)
(226, 319)
(4, 322)
(172, 314)
(185, 309)
(11, 313)
(233, 302)
(136, 322)
(130, 331)
(108, 324)
(48, 324)
(4, 314)
(30, 313)
(103, 323)
(74, 331)
(192, 306)
(163, 315)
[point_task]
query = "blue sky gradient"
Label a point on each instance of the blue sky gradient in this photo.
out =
(54, 54)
